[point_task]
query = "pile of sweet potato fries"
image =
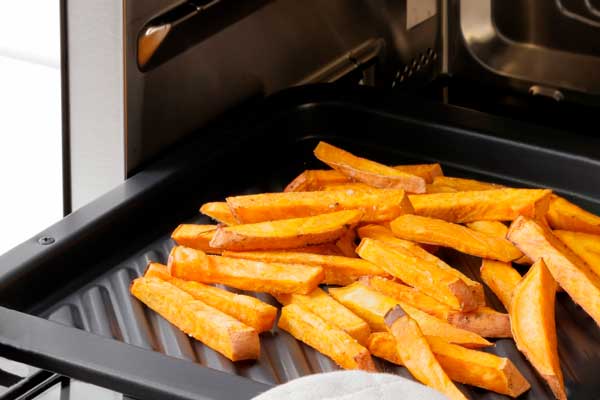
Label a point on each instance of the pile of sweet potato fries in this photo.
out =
(389, 296)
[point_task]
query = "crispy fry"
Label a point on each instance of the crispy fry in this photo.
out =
(310, 180)
(496, 205)
(568, 269)
(349, 186)
(331, 311)
(585, 245)
(212, 327)
(194, 265)
(219, 211)
(333, 342)
(533, 325)
(462, 185)
(499, 230)
(436, 231)
(429, 172)
(501, 278)
(372, 306)
(419, 273)
(196, 236)
(565, 215)
(249, 310)
(326, 249)
(492, 228)
(338, 270)
(472, 367)
(382, 205)
(483, 320)
(346, 243)
(367, 171)
(416, 355)
(286, 233)
(383, 234)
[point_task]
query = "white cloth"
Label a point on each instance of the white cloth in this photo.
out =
(351, 385)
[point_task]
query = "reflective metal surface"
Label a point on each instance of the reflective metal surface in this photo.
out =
(554, 44)
(185, 65)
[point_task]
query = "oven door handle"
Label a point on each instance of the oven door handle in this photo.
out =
(187, 25)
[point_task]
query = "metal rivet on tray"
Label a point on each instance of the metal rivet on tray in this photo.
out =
(46, 240)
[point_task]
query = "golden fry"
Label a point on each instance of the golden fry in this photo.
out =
(372, 306)
(562, 214)
(471, 367)
(249, 310)
(212, 327)
(533, 325)
(495, 205)
(333, 342)
(194, 265)
(382, 205)
(501, 278)
(220, 212)
(334, 267)
(416, 355)
(436, 231)
(585, 245)
(419, 273)
(367, 171)
(331, 311)
(196, 236)
(386, 236)
(286, 233)
(568, 269)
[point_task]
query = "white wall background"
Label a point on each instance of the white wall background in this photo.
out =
(30, 119)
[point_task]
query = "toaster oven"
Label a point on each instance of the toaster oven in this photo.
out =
(168, 104)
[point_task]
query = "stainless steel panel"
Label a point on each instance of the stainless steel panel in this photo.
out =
(552, 44)
(96, 113)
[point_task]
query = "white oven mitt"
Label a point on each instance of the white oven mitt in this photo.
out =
(351, 385)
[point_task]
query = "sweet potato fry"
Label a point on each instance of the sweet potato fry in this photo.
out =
(367, 171)
(194, 265)
(382, 205)
(219, 211)
(419, 273)
(496, 205)
(196, 236)
(533, 325)
(499, 230)
(501, 278)
(416, 355)
(565, 215)
(372, 306)
(483, 321)
(429, 172)
(386, 236)
(568, 269)
(338, 270)
(461, 238)
(346, 243)
(249, 310)
(333, 342)
(326, 249)
(462, 184)
(585, 245)
(310, 180)
(286, 233)
(212, 327)
(331, 311)
(471, 367)
(349, 186)
(492, 228)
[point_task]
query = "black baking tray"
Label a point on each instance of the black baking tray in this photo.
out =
(66, 306)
